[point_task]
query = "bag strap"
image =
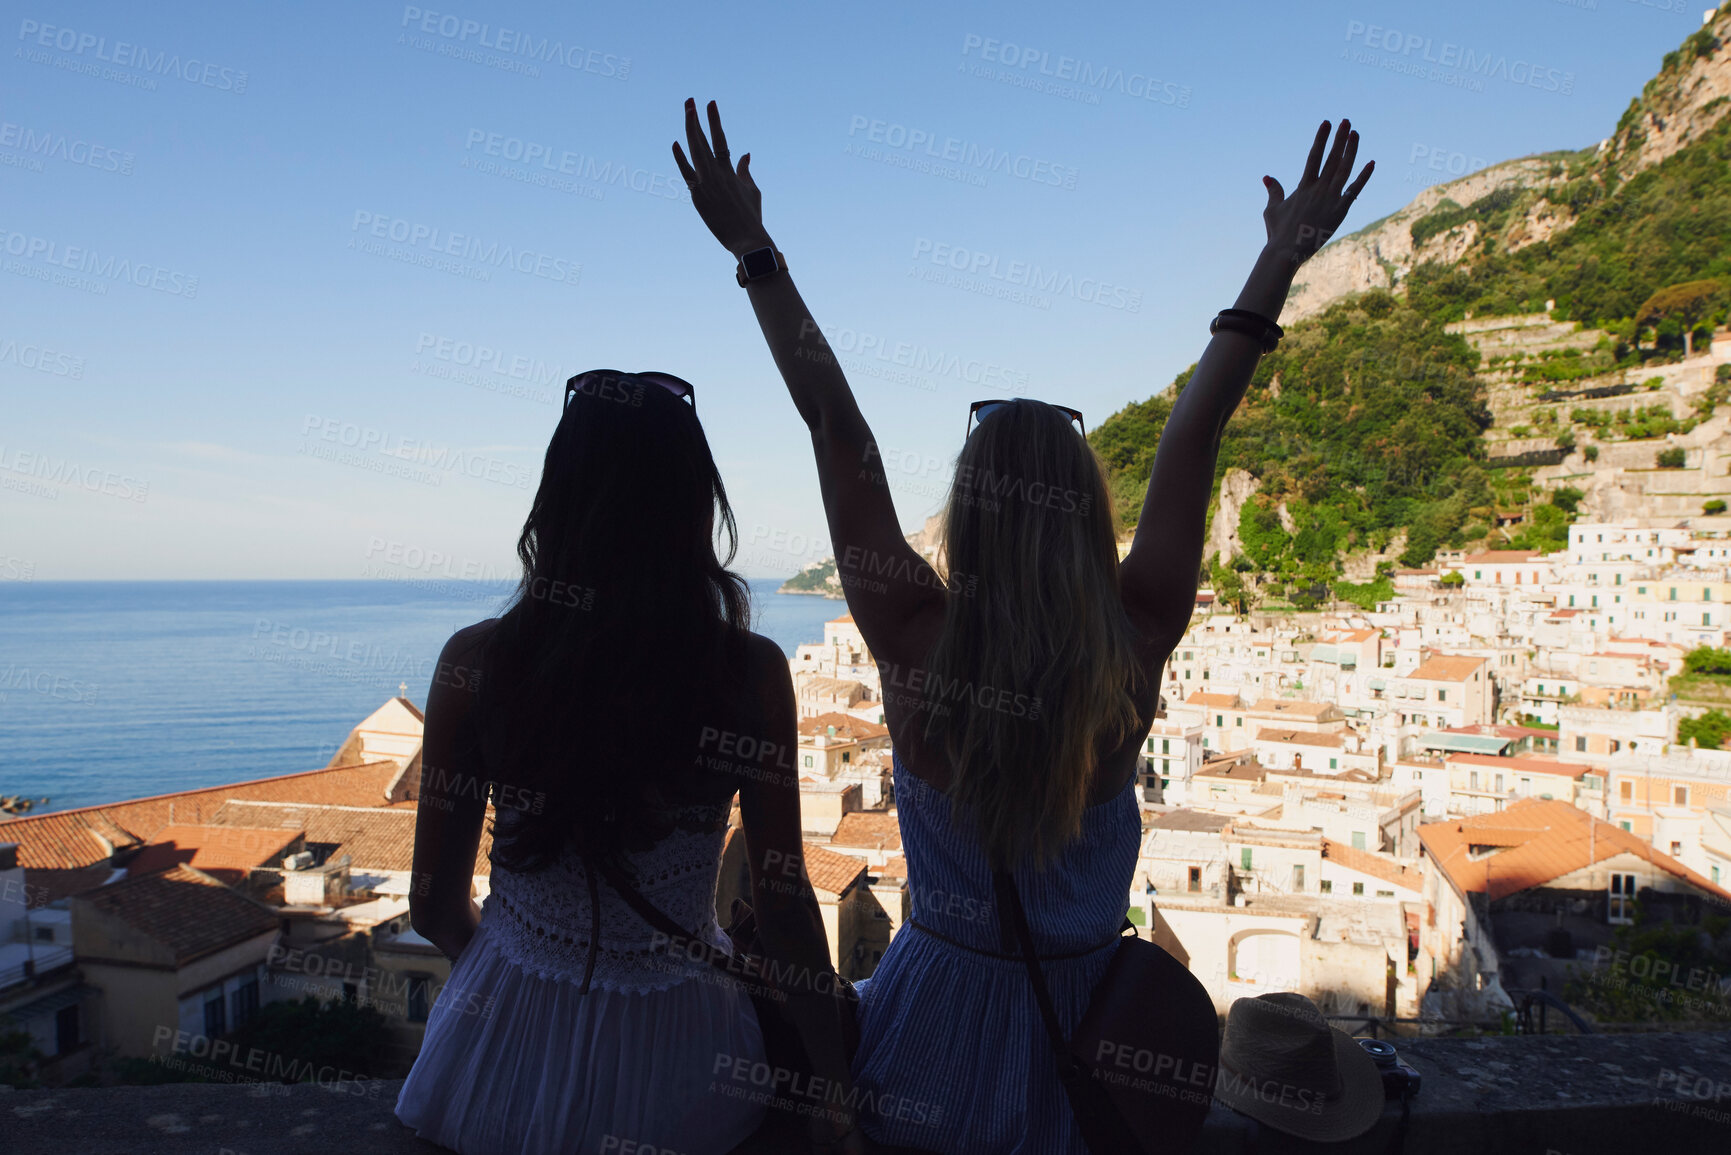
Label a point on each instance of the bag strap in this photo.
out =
(1010, 903)
(652, 914)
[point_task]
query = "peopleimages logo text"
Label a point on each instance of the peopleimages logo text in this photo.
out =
(1024, 274)
(431, 239)
(511, 42)
(126, 55)
(948, 148)
(1082, 73)
(1448, 54)
(88, 261)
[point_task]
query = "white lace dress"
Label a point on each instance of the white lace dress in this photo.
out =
(517, 1059)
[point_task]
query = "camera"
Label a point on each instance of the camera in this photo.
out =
(1399, 1080)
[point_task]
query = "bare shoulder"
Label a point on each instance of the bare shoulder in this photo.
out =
(767, 662)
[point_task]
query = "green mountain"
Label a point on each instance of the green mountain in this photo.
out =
(1440, 357)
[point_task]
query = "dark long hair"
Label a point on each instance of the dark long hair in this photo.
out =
(595, 670)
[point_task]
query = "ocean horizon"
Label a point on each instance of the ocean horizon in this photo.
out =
(113, 690)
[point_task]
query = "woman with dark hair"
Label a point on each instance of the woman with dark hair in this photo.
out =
(609, 716)
(1017, 693)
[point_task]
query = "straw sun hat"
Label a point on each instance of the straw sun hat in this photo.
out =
(1284, 1066)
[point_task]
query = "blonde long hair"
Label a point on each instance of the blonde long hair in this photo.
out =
(1035, 667)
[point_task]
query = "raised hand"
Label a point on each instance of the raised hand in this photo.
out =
(725, 197)
(1300, 224)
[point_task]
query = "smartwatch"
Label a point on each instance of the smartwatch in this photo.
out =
(760, 263)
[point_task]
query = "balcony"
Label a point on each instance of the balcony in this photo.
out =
(1486, 1096)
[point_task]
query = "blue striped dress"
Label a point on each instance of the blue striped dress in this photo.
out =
(953, 1056)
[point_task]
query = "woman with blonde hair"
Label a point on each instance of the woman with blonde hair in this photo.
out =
(1019, 693)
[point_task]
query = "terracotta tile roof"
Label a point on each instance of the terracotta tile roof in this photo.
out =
(374, 838)
(1375, 865)
(894, 869)
(45, 887)
(226, 853)
(1214, 701)
(1447, 668)
(1522, 765)
(846, 726)
(1299, 737)
(189, 912)
(831, 871)
(848, 618)
(1239, 769)
(1545, 840)
(68, 839)
(868, 830)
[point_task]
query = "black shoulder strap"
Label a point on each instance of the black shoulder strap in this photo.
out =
(1010, 904)
(652, 914)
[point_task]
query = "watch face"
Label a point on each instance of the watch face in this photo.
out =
(759, 262)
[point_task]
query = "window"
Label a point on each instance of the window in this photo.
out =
(1195, 879)
(417, 997)
(215, 1021)
(1641, 590)
(1478, 575)
(1334, 764)
(1358, 840)
(1298, 878)
(1442, 695)
(246, 1000)
(808, 759)
(1626, 790)
(1473, 780)
(1581, 743)
(1676, 849)
(1706, 594)
(1385, 894)
(66, 1032)
(1326, 886)
(1238, 721)
(1498, 786)
(1626, 827)
(1358, 888)
(1165, 745)
(1219, 721)
(1679, 796)
(1244, 857)
(1673, 593)
(1622, 905)
(1150, 745)
(845, 756)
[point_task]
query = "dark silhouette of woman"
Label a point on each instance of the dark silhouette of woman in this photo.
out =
(1018, 695)
(609, 716)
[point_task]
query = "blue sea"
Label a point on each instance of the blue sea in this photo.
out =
(113, 690)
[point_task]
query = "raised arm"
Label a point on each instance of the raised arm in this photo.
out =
(1159, 576)
(888, 584)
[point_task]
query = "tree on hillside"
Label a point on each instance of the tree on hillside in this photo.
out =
(1708, 730)
(1688, 304)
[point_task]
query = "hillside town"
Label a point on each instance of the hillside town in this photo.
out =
(1419, 814)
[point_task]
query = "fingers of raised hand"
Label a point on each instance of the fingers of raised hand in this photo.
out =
(1313, 164)
(1358, 185)
(685, 169)
(1329, 177)
(715, 133)
(1348, 156)
(701, 157)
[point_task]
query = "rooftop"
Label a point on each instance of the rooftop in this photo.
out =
(190, 913)
(1545, 839)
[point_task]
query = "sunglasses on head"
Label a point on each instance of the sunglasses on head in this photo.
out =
(610, 384)
(980, 410)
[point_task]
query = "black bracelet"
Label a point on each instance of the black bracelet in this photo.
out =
(1250, 324)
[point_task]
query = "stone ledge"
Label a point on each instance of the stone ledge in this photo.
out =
(1568, 1094)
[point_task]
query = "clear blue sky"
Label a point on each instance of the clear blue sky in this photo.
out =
(293, 415)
